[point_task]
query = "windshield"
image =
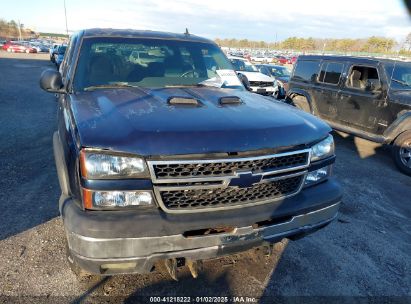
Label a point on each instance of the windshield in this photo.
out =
(401, 77)
(280, 72)
(243, 65)
(153, 63)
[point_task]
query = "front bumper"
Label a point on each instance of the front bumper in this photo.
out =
(140, 254)
(99, 238)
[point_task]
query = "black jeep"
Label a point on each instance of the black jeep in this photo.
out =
(367, 97)
(162, 155)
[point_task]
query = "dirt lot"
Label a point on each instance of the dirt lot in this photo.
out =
(366, 252)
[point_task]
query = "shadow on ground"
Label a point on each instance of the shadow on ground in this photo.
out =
(29, 189)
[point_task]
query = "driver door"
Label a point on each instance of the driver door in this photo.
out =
(361, 98)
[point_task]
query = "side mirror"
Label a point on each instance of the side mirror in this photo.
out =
(244, 81)
(50, 81)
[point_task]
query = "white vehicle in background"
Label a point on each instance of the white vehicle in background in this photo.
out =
(259, 58)
(259, 83)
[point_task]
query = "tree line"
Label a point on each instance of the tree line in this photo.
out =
(12, 30)
(370, 45)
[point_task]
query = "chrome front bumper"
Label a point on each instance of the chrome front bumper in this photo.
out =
(91, 253)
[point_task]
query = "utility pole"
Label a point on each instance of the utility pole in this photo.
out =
(65, 15)
(19, 28)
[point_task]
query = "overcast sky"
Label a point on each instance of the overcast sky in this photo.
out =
(251, 19)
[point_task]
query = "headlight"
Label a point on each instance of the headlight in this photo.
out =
(317, 176)
(323, 149)
(113, 199)
(96, 165)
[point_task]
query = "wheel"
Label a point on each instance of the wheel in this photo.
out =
(402, 152)
(301, 103)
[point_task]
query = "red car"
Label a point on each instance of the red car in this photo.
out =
(282, 60)
(292, 59)
(14, 47)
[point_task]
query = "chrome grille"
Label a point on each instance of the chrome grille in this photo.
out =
(225, 197)
(173, 170)
(261, 84)
(184, 186)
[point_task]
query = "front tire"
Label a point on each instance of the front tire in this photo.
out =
(402, 152)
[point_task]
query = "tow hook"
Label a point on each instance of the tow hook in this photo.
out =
(268, 250)
(195, 267)
(171, 265)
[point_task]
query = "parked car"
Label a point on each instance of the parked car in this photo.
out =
(18, 47)
(281, 59)
(53, 52)
(366, 97)
(281, 76)
(176, 162)
(40, 48)
(292, 60)
(248, 73)
(259, 58)
(59, 55)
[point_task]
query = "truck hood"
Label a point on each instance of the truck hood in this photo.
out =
(141, 121)
(401, 96)
(256, 76)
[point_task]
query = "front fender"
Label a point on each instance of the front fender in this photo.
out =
(400, 125)
(295, 91)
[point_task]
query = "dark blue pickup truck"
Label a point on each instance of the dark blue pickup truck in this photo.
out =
(163, 156)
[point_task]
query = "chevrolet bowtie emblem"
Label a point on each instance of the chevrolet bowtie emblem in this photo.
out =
(245, 180)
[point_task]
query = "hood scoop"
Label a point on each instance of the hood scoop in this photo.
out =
(230, 100)
(187, 101)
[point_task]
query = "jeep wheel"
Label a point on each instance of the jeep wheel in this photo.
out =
(402, 152)
(301, 103)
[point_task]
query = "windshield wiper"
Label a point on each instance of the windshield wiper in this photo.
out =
(401, 82)
(110, 86)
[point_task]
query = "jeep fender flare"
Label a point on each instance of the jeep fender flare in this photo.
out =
(400, 125)
(297, 92)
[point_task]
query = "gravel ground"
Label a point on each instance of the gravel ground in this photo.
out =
(365, 253)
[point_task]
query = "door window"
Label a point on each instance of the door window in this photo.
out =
(361, 77)
(306, 70)
(331, 72)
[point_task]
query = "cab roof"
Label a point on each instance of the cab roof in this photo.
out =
(129, 33)
(350, 58)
